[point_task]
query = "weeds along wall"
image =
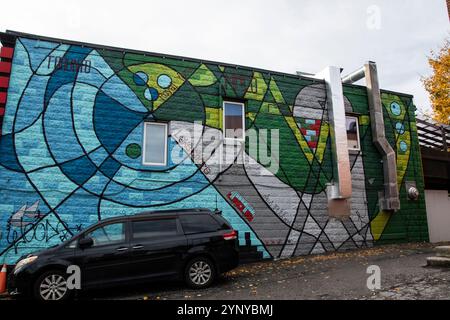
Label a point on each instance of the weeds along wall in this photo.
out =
(71, 150)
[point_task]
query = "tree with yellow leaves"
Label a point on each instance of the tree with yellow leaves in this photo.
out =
(438, 84)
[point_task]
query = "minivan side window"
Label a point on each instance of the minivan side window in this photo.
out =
(156, 228)
(109, 234)
(193, 224)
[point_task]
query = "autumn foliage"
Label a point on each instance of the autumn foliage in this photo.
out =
(438, 84)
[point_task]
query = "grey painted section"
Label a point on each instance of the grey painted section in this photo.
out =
(311, 103)
(289, 223)
(271, 229)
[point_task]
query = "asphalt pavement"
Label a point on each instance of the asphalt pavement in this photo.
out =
(331, 276)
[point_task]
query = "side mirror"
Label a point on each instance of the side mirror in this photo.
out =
(85, 243)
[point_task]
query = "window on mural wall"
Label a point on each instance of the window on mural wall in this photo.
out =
(234, 120)
(353, 133)
(155, 144)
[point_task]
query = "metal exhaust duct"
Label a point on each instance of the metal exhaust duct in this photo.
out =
(339, 191)
(389, 199)
(355, 76)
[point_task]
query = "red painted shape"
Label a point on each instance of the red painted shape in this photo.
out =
(6, 52)
(249, 216)
(312, 145)
(319, 122)
(5, 67)
(315, 127)
(304, 131)
(3, 97)
(239, 204)
(4, 82)
(2, 111)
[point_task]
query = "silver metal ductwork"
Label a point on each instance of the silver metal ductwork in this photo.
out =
(389, 199)
(339, 191)
(354, 76)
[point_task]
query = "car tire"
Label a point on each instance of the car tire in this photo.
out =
(200, 273)
(52, 286)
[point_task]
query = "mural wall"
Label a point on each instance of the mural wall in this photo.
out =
(71, 152)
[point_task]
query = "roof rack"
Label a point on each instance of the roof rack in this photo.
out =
(193, 210)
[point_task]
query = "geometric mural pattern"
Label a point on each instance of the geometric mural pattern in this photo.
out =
(71, 152)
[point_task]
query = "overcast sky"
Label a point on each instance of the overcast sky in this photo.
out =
(287, 35)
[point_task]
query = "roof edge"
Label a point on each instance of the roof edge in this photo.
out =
(11, 33)
(155, 54)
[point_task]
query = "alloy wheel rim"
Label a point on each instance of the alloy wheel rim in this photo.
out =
(53, 287)
(200, 273)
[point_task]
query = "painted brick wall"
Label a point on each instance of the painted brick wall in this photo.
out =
(71, 152)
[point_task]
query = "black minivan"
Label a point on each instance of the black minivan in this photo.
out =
(194, 245)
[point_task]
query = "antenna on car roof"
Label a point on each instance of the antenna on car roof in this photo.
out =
(217, 211)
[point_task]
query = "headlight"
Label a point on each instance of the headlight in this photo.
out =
(24, 262)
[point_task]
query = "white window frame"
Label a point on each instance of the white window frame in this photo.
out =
(357, 131)
(243, 122)
(166, 127)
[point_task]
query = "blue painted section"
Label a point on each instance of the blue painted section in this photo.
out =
(79, 170)
(17, 86)
(8, 157)
(69, 152)
(61, 76)
(40, 51)
(31, 106)
(110, 167)
(110, 131)
(57, 114)
(119, 91)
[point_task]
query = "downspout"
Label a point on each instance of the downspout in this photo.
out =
(389, 200)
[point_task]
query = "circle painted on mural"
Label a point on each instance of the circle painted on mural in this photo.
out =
(140, 78)
(151, 94)
(164, 81)
(403, 146)
(400, 128)
(134, 151)
(396, 109)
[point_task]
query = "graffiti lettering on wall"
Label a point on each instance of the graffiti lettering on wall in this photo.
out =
(242, 205)
(72, 65)
(62, 143)
(38, 232)
(27, 226)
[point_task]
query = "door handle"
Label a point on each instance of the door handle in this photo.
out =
(138, 247)
(122, 249)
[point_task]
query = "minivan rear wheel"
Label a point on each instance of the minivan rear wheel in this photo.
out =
(52, 286)
(200, 273)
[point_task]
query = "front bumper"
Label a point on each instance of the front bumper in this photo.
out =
(19, 284)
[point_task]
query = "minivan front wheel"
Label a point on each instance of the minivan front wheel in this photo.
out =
(52, 286)
(200, 273)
